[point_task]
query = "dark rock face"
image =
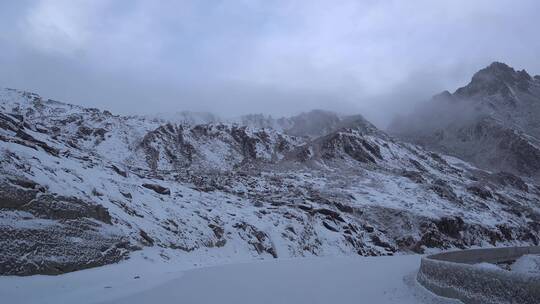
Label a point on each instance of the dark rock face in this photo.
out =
(13, 197)
(444, 190)
(509, 179)
(49, 206)
(414, 176)
(147, 240)
(22, 137)
(119, 171)
(53, 247)
(219, 233)
(330, 214)
(451, 226)
(258, 239)
(248, 144)
(352, 146)
(55, 234)
(158, 189)
(342, 144)
(480, 191)
(66, 208)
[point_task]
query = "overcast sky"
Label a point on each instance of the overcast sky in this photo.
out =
(278, 57)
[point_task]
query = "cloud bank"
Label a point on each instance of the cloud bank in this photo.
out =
(278, 57)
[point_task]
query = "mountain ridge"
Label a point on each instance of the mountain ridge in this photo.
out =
(87, 188)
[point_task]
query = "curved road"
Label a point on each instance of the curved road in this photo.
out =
(316, 280)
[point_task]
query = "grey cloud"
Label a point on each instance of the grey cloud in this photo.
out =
(278, 57)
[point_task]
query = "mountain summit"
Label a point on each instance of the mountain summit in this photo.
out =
(497, 78)
(493, 122)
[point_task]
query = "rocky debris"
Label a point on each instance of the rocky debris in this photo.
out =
(337, 144)
(343, 207)
(415, 176)
(158, 189)
(378, 242)
(330, 214)
(304, 153)
(480, 191)
(248, 144)
(330, 226)
(257, 238)
(7, 122)
(27, 184)
(219, 234)
(166, 135)
(119, 171)
(84, 131)
(146, 239)
(451, 226)
(13, 197)
(509, 179)
(444, 190)
(126, 194)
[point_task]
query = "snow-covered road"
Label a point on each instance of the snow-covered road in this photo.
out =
(310, 280)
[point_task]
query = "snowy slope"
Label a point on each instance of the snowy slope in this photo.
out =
(82, 188)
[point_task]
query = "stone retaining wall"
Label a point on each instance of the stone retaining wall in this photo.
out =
(453, 275)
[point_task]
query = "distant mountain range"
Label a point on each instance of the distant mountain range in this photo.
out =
(82, 187)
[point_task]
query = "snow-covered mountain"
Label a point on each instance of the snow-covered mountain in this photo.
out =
(492, 122)
(82, 187)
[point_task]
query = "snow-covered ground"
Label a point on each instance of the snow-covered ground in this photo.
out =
(146, 278)
(529, 264)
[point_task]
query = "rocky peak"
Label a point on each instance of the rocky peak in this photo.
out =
(497, 78)
(443, 95)
(497, 68)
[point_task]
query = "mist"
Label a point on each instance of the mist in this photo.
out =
(279, 57)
